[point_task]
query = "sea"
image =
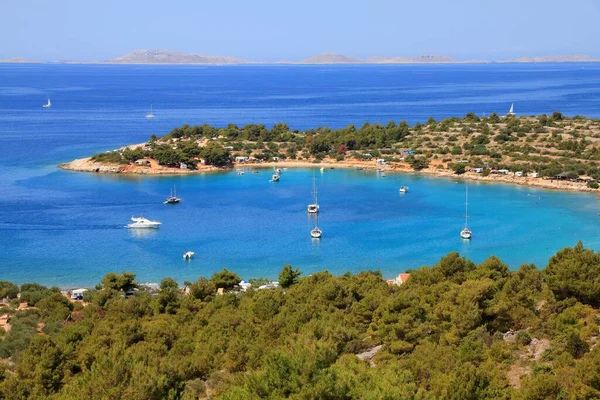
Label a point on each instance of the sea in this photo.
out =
(68, 228)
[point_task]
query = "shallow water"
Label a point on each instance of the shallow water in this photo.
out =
(67, 228)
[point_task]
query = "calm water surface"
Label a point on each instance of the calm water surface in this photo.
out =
(68, 228)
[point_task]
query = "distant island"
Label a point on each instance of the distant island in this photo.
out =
(168, 57)
(173, 57)
(554, 151)
(554, 59)
(20, 60)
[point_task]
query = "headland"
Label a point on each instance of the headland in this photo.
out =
(553, 152)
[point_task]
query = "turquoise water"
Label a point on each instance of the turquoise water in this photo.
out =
(67, 229)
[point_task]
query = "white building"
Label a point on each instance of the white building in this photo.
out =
(244, 285)
(77, 293)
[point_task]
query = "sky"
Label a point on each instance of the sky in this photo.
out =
(270, 30)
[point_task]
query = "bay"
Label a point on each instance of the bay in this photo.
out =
(67, 228)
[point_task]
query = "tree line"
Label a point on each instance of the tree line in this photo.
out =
(445, 333)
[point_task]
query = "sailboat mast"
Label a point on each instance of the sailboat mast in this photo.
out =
(314, 188)
(466, 205)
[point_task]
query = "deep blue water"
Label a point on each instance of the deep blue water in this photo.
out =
(67, 228)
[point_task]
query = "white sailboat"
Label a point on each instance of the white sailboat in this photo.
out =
(48, 104)
(466, 232)
(316, 232)
(313, 208)
(151, 114)
(172, 199)
(511, 112)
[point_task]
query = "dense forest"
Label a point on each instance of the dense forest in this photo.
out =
(457, 330)
(548, 144)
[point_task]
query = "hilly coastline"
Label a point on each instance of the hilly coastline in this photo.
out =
(173, 57)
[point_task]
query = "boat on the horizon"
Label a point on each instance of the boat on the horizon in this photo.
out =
(316, 232)
(48, 104)
(150, 115)
(466, 232)
(172, 199)
(313, 208)
(143, 223)
(511, 112)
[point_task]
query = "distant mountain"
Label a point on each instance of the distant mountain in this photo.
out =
(424, 59)
(554, 59)
(334, 58)
(173, 57)
(331, 58)
(20, 60)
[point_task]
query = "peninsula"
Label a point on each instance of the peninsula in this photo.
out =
(550, 151)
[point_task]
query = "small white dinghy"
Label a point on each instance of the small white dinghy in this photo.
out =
(188, 255)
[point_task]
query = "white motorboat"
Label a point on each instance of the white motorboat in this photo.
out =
(240, 172)
(48, 104)
(275, 178)
(150, 115)
(313, 208)
(403, 189)
(322, 169)
(188, 255)
(278, 170)
(143, 223)
(466, 232)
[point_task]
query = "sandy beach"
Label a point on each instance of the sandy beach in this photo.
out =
(87, 165)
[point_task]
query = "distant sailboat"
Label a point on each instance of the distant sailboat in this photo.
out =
(151, 114)
(466, 232)
(511, 112)
(48, 104)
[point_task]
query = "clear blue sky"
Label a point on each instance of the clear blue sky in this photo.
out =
(270, 30)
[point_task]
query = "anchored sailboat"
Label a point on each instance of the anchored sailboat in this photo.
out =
(48, 104)
(313, 208)
(466, 232)
(151, 114)
(316, 232)
(172, 199)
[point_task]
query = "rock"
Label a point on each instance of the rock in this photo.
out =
(369, 354)
(510, 336)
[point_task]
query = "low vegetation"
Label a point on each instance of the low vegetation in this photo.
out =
(456, 330)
